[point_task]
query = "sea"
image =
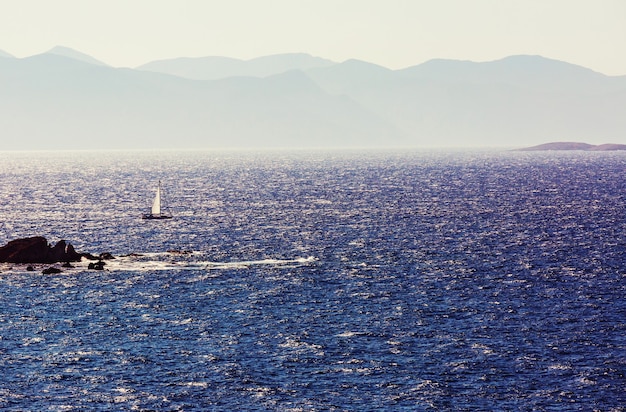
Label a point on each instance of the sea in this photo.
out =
(432, 280)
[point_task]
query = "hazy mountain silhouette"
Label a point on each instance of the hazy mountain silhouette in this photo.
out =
(351, 76)
(5, 54)
(53, 102)
(70, 100)
(213, 68)
(523, 71)
(76, 55)
(515, 101)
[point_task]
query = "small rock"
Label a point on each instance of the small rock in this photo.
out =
(89, 256)
(99, 265)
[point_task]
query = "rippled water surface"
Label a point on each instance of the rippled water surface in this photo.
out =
(318, 281)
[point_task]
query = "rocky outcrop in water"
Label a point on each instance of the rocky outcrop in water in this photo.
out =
(38, 250)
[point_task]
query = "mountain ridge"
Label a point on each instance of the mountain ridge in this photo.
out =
(56, 106)
(54, 100)
(76, 55)
(216, 67)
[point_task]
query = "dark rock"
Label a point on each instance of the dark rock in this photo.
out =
(51, 270)
(89, 256)
(101, 256)
(99, 265)
(37, 250)
(67, 265)
(29, 268)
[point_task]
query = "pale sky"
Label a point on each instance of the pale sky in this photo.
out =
(392, 33)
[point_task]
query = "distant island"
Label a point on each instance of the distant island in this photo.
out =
(607, 147)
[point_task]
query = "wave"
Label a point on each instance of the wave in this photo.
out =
(162, 261)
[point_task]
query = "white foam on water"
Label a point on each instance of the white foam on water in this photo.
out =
(149, 262)
(176, 261)
(346, 334)
(203, 385)
(559, 366)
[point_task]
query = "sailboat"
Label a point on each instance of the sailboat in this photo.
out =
(155, 211)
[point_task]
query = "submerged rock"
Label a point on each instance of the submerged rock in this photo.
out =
(99, 265)
(51, 270)
(89, 256)
(101, 256)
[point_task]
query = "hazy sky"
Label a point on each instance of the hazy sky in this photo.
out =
(392, 33)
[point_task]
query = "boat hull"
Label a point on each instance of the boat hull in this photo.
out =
(150, 216)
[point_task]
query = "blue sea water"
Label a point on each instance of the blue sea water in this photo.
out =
(295, 281)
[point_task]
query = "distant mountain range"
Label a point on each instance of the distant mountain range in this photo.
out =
(76, 55)
(64, 99)
(214, 68)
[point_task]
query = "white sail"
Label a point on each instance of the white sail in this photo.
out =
(156, 204)
(155, 211)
